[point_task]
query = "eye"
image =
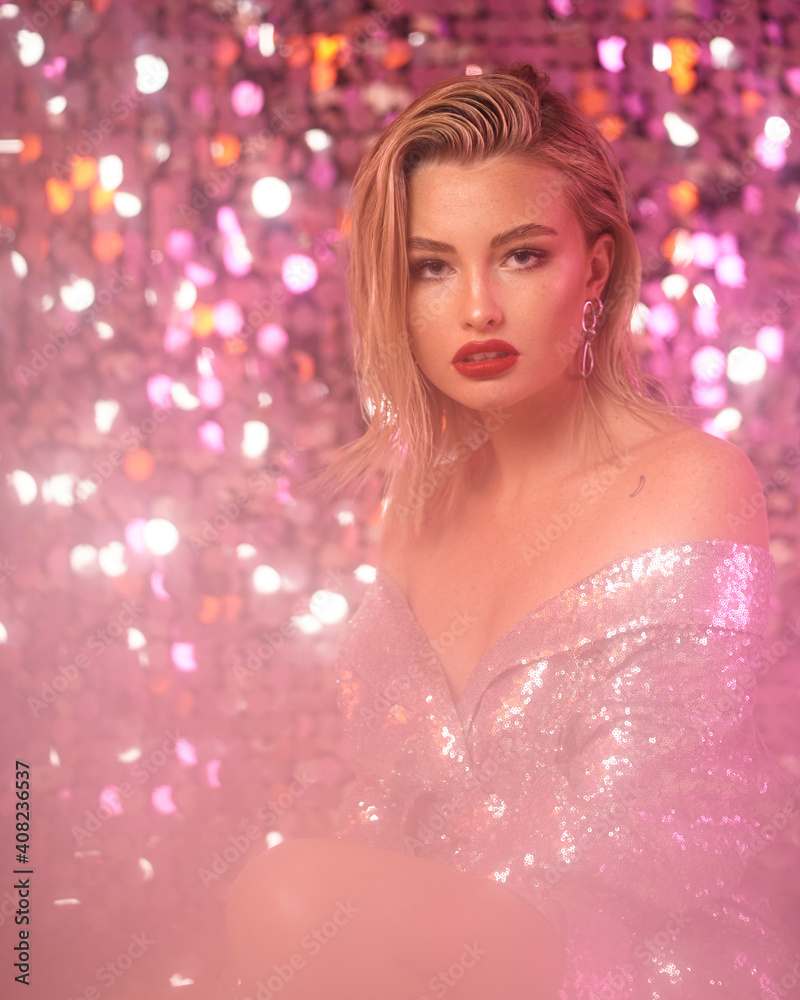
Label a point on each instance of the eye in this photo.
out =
(429, 269)
(527, 258)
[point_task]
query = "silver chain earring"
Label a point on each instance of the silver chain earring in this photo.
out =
(589, 333)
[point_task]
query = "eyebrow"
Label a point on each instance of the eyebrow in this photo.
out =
(518, 233)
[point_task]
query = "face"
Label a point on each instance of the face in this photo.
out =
(496, 254)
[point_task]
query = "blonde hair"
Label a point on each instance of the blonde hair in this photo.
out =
(412, 427)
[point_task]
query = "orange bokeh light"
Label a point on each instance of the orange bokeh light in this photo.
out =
(611, 127)
(31, 147)
(139, 464)
(59, 195)
(107, 245)
(84, 172)
(683, 197)
(225, 149)
(202, 320)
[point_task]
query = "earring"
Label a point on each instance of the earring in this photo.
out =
(589, 333)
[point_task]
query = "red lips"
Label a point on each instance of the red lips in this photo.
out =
(483, 347)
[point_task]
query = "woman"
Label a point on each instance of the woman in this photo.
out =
(557, 781)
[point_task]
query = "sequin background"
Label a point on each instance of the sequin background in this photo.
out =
(175, 358)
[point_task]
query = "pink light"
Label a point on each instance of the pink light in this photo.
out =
(609, 52)
(704, 249)
(282, 494)
(662, 320)
(175, 337)
(769, 340)
(134, 535)
(159, 390)
(109, 800)
(708, 364)
(211, 392)
(730, 271)
(162, 800)
(704, 320)
(272, 338)
(792, 77)
(236, 257)
(769, 154)
(212, 436)
(180, 244)
(212, 773)
(228, 318)
(182, 654)
(185, 752)
(157, 585)
(199, 275)
(227, 222)
(247, 98)
(54, 68)
(299, 273)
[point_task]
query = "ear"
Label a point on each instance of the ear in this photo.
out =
(600, 261)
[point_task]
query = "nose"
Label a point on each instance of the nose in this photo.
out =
(480, 307)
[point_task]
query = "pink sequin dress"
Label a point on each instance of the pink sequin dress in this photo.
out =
(603, 763)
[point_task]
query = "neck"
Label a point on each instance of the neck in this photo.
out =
(541, 441)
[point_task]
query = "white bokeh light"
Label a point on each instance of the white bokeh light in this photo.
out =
(112, 559)
(25, 485)
(127, 205)
(151, 73)
(19, 264)
(662, 57)
(160, 536)
(271, 197)
(78, 295)
(680, 132)
(105, 413)
(256, 438)
(317, 139)
(30, 46)
(186, 295)
(110, 172)
(266, 580)
(328, 606)
(83, 560)
(746, 365)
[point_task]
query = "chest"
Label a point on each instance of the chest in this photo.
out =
(472, 579)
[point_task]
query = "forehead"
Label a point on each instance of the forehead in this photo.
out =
(501, 188)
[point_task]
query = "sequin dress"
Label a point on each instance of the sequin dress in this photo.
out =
(602, 762)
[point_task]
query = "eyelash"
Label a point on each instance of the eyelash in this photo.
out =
(538, 258)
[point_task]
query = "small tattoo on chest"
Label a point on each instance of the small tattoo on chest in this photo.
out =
(641, 484)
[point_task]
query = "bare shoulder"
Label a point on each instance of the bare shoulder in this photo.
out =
(705, 487)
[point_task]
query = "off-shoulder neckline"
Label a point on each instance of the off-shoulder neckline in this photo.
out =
(381, 575)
